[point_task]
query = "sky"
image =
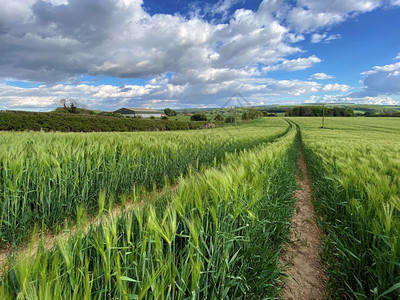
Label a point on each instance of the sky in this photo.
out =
(108, 54)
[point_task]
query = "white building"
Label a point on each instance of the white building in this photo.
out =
(139, 112)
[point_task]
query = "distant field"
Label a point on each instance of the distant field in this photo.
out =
(180, 118)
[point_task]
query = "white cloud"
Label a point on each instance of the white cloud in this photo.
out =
(386, 68)
(398, 54)
(316, 37)
(212, 75)
(159, 93)
(321, 76)
(312, 99)
(339, 6)
(325, 38)
(293, 87)
(256, 90)
(52, 43)
(352, 100)
(221, 10)
(222, 7)
(336, 87)
(304, 20)
(310, 15)
(378, 100)
(294, 64)
(55, 42)
(395, 2)
(382, 80)
(102, 96)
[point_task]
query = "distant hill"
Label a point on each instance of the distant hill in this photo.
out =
(359, 109)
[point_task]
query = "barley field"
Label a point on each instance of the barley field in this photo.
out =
(206, 214)
(45, 177)
(355, 166)
(217, 236)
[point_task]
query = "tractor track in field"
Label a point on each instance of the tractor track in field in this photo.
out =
(48, 239)
(304, 269)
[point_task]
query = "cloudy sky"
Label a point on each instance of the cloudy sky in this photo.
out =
(108, 54)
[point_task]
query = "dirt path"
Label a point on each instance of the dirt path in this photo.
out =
(306, 278)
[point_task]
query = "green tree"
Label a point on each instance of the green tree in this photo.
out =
(69, 105)
(230, 119)
(219, 118)
(251, 114)
(170, 112)
(198, 117)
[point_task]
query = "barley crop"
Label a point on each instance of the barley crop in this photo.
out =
(217, 236)
(356, 173)
(44, 177)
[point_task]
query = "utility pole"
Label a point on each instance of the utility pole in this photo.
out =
(235, 114)
(323, 115)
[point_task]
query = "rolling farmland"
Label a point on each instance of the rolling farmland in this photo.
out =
(209, 210)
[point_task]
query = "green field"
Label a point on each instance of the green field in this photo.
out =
(355, 165)
(46, 176)
(209, 211)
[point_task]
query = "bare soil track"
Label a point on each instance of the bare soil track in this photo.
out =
(306, 278)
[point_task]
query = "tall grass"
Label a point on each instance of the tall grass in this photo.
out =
(44, 177)
(356, 171)
(216, 237)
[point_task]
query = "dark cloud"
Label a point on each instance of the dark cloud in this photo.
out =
(384, 80)
(118, 38)
(85, 20)
(380, 81)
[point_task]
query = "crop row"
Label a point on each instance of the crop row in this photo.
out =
(44, 177)
(356, 173)
(217, 236)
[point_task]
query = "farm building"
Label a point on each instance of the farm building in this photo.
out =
(139, 112)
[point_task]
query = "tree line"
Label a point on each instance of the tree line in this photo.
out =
(25, 121)
(318, 111)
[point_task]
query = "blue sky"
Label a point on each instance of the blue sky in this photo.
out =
(108, 54)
